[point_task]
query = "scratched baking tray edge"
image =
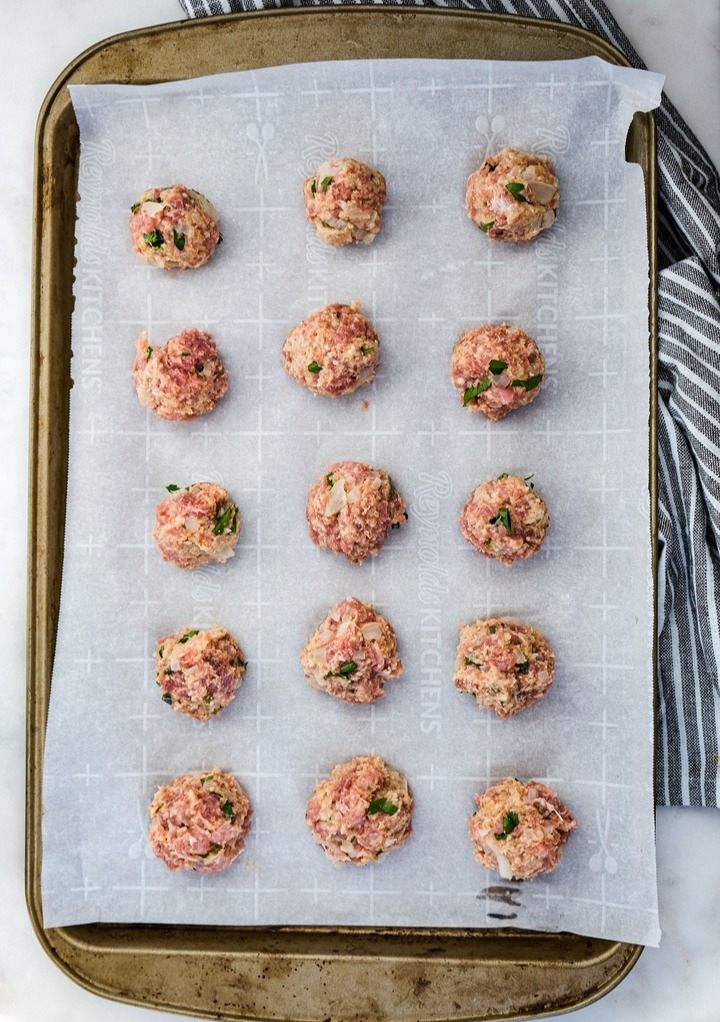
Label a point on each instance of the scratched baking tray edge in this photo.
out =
(294, 973)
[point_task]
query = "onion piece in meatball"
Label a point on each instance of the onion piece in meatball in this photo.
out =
(175, 228)
(196, 525)
(344, 200)
(199, 670)
(505, 519)
(520, 829)
(352, 509)
(513, 196)
(184, 379)
(505, 664)
(363, 809)
(352, 653)
(496, 368)
(200, 822)
(333, 352)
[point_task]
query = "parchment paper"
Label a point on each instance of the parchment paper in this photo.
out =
(246, 141)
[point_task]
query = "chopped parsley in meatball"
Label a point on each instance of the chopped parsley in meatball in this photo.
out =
(352, 653)
(520, 829)
(198, 670)
(496, 368)
(196, 525)
(184, 379)
(504, 663)
(175, 228)
(361, 811)
(505, 519)
(513, 195)
(352, 510)
(344, 200)
(333, 352)
(200, 822)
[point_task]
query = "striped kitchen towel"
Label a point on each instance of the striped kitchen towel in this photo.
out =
(688, 714)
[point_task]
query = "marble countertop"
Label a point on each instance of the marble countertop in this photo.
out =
(676, 981)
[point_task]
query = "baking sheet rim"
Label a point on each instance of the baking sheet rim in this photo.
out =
(37, 695)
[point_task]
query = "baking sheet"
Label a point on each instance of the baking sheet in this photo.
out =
(246, 141)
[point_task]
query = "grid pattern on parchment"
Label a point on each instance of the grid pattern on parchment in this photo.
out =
(579, 289)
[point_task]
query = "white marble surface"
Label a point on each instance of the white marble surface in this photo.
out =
(677, 981)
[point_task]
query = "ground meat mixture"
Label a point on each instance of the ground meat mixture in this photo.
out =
(362, 810)
(196, 525)
(505, 664)
(513, 196)
(505, 518)
(333, 352)
(496, 368)
(344, 200)
(175, 228)
(182, 380)
(520, 829)
(198, 670)
(200, 822)
(352, 509)
(352, 654)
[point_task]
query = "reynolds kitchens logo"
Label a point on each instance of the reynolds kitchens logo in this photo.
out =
(432, 589)
(92, 249)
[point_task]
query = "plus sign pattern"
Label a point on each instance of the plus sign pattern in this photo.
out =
(247, 141)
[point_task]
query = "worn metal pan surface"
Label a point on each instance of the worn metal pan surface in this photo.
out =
(293, 973)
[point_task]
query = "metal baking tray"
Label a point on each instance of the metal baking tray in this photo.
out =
(295, 973)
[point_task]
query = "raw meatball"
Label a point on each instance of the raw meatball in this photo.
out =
(513, 196)
(504, 518)
(197, 525)
(496, 368)
(200, 822)
(520, 829)
(334, 351)
(175, 228)
(344, 199)
(506, 665)
(352, 509)
(362, 810)
(198, 670)
(352, 653)
(182, 380)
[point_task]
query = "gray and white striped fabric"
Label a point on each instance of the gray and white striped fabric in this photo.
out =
(688, 716)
